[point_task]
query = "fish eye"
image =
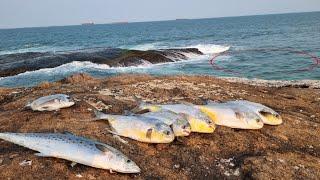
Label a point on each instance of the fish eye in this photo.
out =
(128, 161)
(258, 120)
(183, 127)
(167, 132)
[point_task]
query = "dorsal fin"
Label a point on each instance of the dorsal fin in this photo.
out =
(186, 103)
(143, 111)
(102, 148)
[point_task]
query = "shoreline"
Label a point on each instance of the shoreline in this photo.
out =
(289, 151)
(301, 83)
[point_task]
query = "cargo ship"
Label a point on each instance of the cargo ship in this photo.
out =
(87, 23)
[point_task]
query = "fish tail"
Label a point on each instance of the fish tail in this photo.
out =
(140, 103)
(8, 137)
(102, 116)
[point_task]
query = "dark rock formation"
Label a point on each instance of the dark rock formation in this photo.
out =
(18, 63)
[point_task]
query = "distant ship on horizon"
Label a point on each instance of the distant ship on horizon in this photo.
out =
(87, 23)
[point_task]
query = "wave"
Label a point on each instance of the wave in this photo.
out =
(210, 48)
(207, 49)
(146, 47)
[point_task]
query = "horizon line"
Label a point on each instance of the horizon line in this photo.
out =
(164, 20)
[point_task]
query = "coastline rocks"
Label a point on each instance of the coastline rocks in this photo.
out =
(13, 64)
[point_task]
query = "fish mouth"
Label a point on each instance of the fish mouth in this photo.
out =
(186, 132)
(133, 170)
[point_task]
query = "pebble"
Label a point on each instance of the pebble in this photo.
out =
(226, 173)
(91, 177)
(13, 156)
(236, 172)
(79, 176)
(177, 166)
(312, 116)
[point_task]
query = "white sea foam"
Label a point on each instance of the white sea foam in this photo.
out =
(204, 48)
(145, 47)
(73, 67)
(210, 48)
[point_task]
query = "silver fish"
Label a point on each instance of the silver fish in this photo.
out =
(178, 122)
(51, 103)
(139, 128)
(74, 148)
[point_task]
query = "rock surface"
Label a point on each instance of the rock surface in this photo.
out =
(288, 151)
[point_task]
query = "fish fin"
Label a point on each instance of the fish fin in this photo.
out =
(113, 132)
(102, 148)
(28, 104)
(45, 107)
(186, 103)
(149, 133)
(238, 115)
(139, 102)
(73, 164)
(99, 115)
(48, 102)
(128, 113)
(67, 133)
(111, 171)
(120, 139)
(42, 154)
(143, 111)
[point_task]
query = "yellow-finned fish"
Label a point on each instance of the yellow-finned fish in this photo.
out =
(139, 128)
(232, 116)
(268, 115)
(74, 148)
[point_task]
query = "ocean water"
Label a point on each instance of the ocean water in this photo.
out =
(271, 47)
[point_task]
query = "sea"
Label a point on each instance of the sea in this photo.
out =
(269, 47)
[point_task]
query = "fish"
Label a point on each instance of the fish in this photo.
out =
(198, 121)
(268, 115)
(178, 122)
(143, 129)
(51, 103)
(232, 116)
(74, 148)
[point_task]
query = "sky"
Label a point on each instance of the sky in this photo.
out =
(34, 13)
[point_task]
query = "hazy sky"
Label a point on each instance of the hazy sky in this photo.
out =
(30, 13)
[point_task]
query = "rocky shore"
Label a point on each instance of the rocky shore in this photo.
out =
(12, 64)
(288, 151)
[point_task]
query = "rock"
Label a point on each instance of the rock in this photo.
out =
(78, 78)
(79, 176)
(26, 163)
